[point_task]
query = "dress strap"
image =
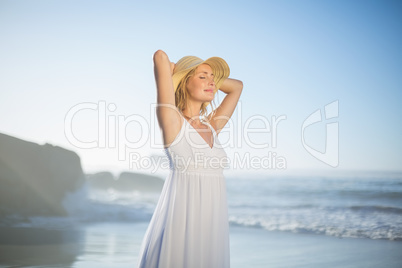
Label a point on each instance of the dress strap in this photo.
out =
(210, 126)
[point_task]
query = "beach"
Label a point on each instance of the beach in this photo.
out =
(275, 221)
(117, 245)
(304, 102)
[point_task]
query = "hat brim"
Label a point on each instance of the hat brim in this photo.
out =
(218, 65)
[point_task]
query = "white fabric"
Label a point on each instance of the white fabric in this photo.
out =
(189, 228)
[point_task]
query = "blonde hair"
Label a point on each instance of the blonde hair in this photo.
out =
(181, 96)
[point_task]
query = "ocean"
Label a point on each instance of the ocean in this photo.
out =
(355, 207)
(342, 207)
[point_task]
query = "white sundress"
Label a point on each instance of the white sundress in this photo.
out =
(189, 227)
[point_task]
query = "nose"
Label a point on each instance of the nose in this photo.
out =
(211, 81)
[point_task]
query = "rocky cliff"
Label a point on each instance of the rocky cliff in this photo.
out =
(35, 178)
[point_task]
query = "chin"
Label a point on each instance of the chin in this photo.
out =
(209, 99)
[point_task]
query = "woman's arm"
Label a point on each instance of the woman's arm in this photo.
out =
(166, 111)
(233, 89)
(163, 78)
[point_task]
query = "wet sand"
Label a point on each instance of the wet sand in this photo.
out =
(118, 245)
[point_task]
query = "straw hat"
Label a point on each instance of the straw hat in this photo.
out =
(219, 67)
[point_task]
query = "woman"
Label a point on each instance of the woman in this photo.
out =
(189, 227)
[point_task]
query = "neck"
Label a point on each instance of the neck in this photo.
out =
(192, 111)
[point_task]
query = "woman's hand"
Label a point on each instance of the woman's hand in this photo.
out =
(231, 85)
(172, 65)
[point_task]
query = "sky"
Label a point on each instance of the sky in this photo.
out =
(322, 79)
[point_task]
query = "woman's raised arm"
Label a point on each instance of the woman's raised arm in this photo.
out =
(166, 111)
(163, 78)
(233, 89)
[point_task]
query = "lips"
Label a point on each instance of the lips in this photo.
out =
(209, 90)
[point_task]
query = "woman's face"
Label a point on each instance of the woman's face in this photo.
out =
(201, 85)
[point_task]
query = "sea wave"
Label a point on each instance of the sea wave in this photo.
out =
(372, 232)
(88, 205)
(382, 209)
(342, 207)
